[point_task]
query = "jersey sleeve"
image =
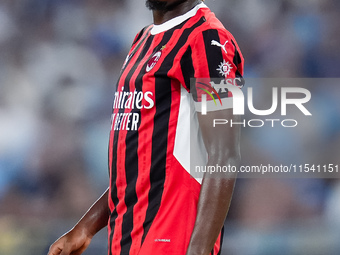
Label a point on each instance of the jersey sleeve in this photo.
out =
(212, 59)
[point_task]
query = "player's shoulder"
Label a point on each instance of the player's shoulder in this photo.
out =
(142, 32)
(212, 26)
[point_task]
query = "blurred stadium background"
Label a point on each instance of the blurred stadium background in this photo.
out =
(58, 66)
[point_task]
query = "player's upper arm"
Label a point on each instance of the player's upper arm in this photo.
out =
(221, 138)
(214, 59)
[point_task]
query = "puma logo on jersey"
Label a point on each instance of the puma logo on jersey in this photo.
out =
(216, 43)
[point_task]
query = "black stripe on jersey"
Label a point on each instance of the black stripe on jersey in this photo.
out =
(213, 53)
(237, 60)
(161, 125)
(159, 150)
(187, 67)
(221, 240)
(131, 166)
(113, 194)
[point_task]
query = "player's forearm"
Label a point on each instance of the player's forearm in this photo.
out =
(96, 217)
(213, 205)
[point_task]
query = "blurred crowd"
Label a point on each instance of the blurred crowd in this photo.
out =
(59, 63)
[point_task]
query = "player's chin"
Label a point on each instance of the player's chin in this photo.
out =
(163, 5)
(155, 5)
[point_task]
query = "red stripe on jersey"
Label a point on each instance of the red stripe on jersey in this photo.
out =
(121, 182)
(200, 59)
(110, 201)
(217, 246)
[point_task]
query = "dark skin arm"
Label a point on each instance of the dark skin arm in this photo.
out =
(222, 144)
(79, 237)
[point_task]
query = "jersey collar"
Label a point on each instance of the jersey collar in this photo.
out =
(156, 29)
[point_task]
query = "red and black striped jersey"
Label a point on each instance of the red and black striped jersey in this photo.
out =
(153, 197)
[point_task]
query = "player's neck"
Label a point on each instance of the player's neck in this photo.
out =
(160, 17)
